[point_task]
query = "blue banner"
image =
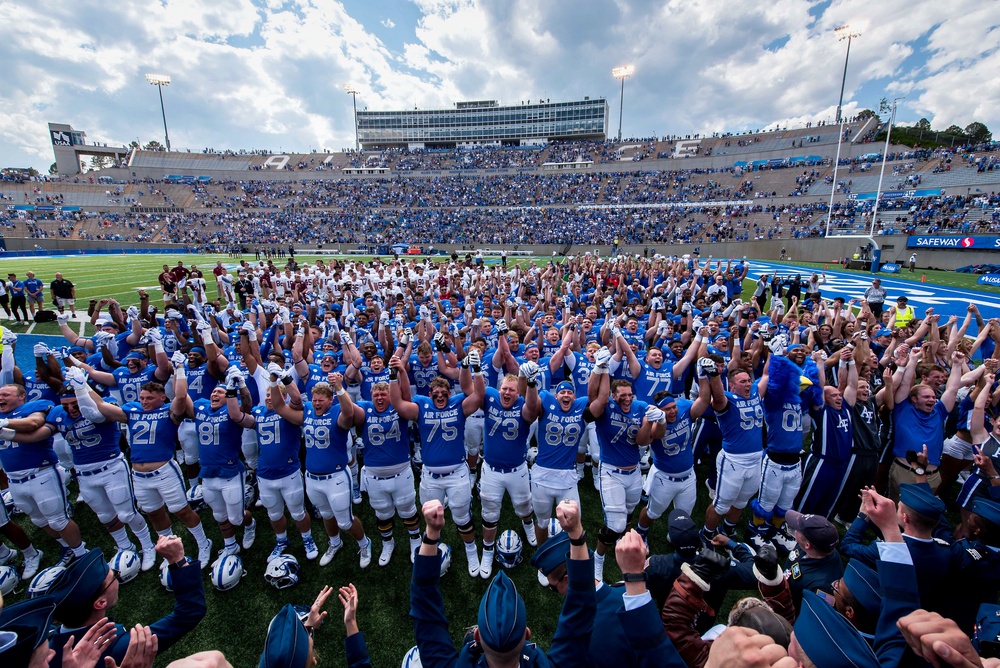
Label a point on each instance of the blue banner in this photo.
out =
(989, 279)
(897, 194)
(889, 268)
(956, 242)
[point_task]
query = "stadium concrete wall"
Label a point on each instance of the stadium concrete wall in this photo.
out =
(804, 250)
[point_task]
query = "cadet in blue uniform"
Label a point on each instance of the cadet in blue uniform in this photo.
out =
(502, 633)
(822, 637)
(36, 483)
(974, 574)
(220, 441)
(612, 646)
(101, 470)
(441, 421)
(622, 426)
(919, 513)
(89, 588)
(325, 426)
(279, 472)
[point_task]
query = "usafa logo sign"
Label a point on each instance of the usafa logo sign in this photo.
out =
(977, 242)
(989, 279)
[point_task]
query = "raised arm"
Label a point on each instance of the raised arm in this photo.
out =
(407, 409)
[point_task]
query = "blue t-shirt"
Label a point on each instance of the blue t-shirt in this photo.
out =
(220, 440)
(913, 429)
(279, 442)
(673, 453)
(33, 285)
(152, 435)
(24, 456)
(505, 432)
(559, 432)
(386, 436)
(616, 431)
(442, 431)
(369, 378)
(89, 443)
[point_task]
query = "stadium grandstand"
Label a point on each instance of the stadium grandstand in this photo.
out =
(676, 190)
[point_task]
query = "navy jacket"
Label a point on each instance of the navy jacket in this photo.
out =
(189, 609)
(430, 625)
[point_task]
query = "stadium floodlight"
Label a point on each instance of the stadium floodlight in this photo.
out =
(622, 72)
(842, 33)
(353, 92)
(885, 154)
(161, 80)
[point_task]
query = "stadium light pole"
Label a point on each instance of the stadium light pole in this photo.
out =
(833, 187)
(885, 154)
(842, 33)
(161, 80)
(353, 92)
(622, 72)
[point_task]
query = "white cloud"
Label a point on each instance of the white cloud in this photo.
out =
(268, 73)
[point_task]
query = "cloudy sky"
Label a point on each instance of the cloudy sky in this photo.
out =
(269, 73)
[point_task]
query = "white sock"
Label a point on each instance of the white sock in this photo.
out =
(29, 552)
(231, 541)
(121, 539)
(198, 531)
(166, 533)
(141, 530)
(336, 541)
(62, 542)
(4, 551)
(80, 550)
(364, 542)
(471, 549)
(281, 537)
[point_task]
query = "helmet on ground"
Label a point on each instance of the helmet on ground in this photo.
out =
(40, 584)
(9, 579)
(412, 659)
(509, 549)
(282, 572)
(445, 553)
(195, 498)
(165, 576)
(554, 527)
(127, 565)
(227, 572)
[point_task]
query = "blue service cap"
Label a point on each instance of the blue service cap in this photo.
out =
(829, 639)
(919, 498)
(336, 307)
(551, 553)
(29, 621)
(986, 508)
(287, 642)
(565, 385)
(883, 332)
(862, 581)
(77, 586)
(683, 534)
(502, 616)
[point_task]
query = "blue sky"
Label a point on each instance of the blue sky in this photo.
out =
(269, 73)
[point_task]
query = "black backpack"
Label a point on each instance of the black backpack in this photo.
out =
(45, 316)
